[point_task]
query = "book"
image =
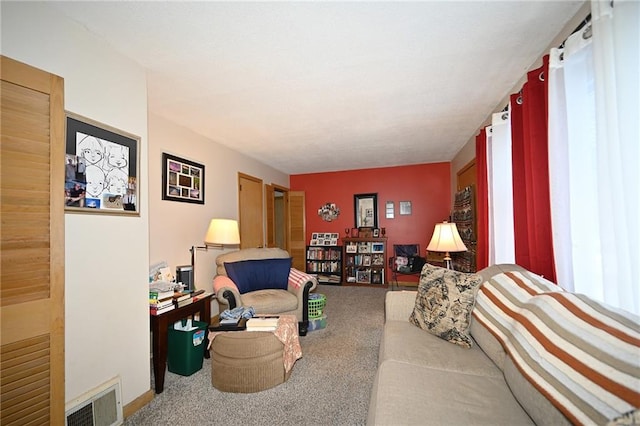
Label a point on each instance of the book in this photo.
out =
(156, 311)
(159, 295)
(262, 323)
(179, 297)
(161, 303)
(181, 303)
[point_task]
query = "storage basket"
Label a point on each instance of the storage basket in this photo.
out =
(317, 303)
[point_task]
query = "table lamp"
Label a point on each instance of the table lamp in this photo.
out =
(446, 239)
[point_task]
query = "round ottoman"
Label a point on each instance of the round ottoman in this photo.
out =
(247, 361)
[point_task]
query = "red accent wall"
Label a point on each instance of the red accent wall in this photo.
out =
(427, 186)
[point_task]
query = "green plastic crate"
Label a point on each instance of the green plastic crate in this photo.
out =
(186, 349)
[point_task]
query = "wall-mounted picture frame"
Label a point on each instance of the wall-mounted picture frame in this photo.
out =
(102, 168)
(182, 180)
(365, 210)
(389, 210)
(405, 207)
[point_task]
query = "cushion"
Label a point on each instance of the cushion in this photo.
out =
(444, 303)
(251, 275)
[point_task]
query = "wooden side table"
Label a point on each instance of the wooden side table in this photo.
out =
(160, 326)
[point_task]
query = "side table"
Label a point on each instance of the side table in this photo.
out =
(160, 326)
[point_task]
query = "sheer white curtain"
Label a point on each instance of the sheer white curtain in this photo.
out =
(501, 233)
(593, 155)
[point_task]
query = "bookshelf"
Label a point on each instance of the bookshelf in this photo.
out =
(364, 261)
(325, 262)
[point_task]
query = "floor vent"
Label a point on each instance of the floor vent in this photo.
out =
(101, 406)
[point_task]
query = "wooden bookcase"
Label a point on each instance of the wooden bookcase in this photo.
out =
(364, 261)
(325, 262)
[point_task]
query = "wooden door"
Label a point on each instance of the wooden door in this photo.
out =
(297, 240)
(32, 245)
(250, 211)
(277, 202)
(270, 202)
(467, 176)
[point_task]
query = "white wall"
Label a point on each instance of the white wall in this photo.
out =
(176, 226)
(107, 257)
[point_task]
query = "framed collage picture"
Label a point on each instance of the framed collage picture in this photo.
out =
(182, 180)
(101, 168)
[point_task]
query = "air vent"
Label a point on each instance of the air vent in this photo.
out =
(99, 407)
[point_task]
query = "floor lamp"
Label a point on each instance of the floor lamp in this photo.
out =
(221, 233)
(446, 239)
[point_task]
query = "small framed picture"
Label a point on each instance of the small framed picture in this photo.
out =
(376, 233)
(314, 236)
(377, 247)
(366, 260)
(351, 247)
(389, 210)
(405, 207)
(363, 276)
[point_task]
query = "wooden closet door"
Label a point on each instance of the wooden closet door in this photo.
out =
(32, 246)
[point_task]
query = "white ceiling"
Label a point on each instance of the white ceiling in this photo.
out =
(322, 86)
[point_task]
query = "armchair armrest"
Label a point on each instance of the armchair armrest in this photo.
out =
(226, 291)
(301, 284)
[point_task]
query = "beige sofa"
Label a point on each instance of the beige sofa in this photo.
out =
(422, 379)
(291, 298)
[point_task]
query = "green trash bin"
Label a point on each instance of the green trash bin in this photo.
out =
(186, 348)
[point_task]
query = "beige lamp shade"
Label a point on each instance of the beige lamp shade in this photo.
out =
(446, 239)
(222, 232)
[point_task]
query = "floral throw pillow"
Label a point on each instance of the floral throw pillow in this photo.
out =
(444, 303)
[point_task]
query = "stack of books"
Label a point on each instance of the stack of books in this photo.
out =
(160, 301)
(164, 301)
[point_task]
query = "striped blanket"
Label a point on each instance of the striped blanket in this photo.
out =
(298, 278)
(580, 354)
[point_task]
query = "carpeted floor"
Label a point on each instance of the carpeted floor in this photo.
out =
(329, 385)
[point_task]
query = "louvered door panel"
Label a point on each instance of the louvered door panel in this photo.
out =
(32, 245)
(297, 239)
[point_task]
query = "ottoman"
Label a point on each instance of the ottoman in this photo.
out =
(247, 361)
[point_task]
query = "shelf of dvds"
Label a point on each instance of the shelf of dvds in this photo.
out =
(364, 261)
(325, 262)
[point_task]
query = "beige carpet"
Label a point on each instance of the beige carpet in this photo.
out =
(330, 385)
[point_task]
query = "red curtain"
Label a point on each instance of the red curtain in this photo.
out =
(532, 210)
(482, 202)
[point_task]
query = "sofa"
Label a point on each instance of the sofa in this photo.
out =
(264, 279)
(529, 353)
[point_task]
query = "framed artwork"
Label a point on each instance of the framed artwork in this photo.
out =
(182, 180)
(102, 167)
(366, 210)
(389, 210)
(363, 276)
(376, 233)
(351, 247)
(405, 207)
(377, 247)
